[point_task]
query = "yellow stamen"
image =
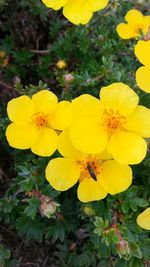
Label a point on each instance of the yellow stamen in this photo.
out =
(113, 121)
(39, 119)
(90, 168)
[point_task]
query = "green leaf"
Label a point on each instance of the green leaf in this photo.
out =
(132, 191)
(125, 206)
(140, 202)
(56, 231)
(108, 239)
(33, 207)
(145, 248)
(33, 229)
(135, 263)
(114, 237)
(133, 205)
(135, 249)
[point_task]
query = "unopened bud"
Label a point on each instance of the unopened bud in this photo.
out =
(48, 207)
(88, 210)
(123, 248)
(69, 77)
(61, 64)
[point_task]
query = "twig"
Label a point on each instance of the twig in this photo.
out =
(39, 51)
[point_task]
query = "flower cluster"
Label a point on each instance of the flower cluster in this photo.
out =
(138, 26)
(77, 11)
(97, 139)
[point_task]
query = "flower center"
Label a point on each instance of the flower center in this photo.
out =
(39, 119)
(90, 168)
(113, 121)
(138, 29)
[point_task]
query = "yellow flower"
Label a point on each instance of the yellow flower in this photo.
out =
(143, 78)
(143, 220)
(5, 62)
(2, 54)
(3, 59)
(34, 121)
(142, 51)
(61, 64)
(77, 11)
(97, 174)
(136, 24)
(116, 123)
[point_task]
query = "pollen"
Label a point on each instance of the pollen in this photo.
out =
(39, 119)
(90, 168)
(113, 121)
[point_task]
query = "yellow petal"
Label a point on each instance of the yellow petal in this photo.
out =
(78, 11)
(104, 155)
(88, 136)
(143, 78)
(45, 101)
(115, 177)
(55, 4)
(20, 109)
(66, 148)
(20, 136)
(125, 31)
(98, 4)
(62, 116)
(139, 121)
(127, 148)
(45, 143)
(134, 18)
(87, 107)
(90, 190)
(62, 173)
(143, 220)
(119, 97)
(142, 51)
(146, 24)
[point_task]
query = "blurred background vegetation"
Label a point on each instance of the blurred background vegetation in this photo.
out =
(39, 226)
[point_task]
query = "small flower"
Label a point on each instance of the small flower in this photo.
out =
(88, 210)
(98, 175)
(48, 206)
(143, 220)
(114, 123)
(3, 59)
(69, 77)
(123, 248)
(2, 54)
(35, 122)
(142, 51)
(136, 24)
(61, 64)
(77, 11)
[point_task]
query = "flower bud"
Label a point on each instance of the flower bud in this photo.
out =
(48, 207)
(61, 64)
(123, 248)
(88, 210)
(69, 77)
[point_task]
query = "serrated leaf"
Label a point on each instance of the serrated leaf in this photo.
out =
(145, 248)
(135, 249)
(114, 237)
(125, 206)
